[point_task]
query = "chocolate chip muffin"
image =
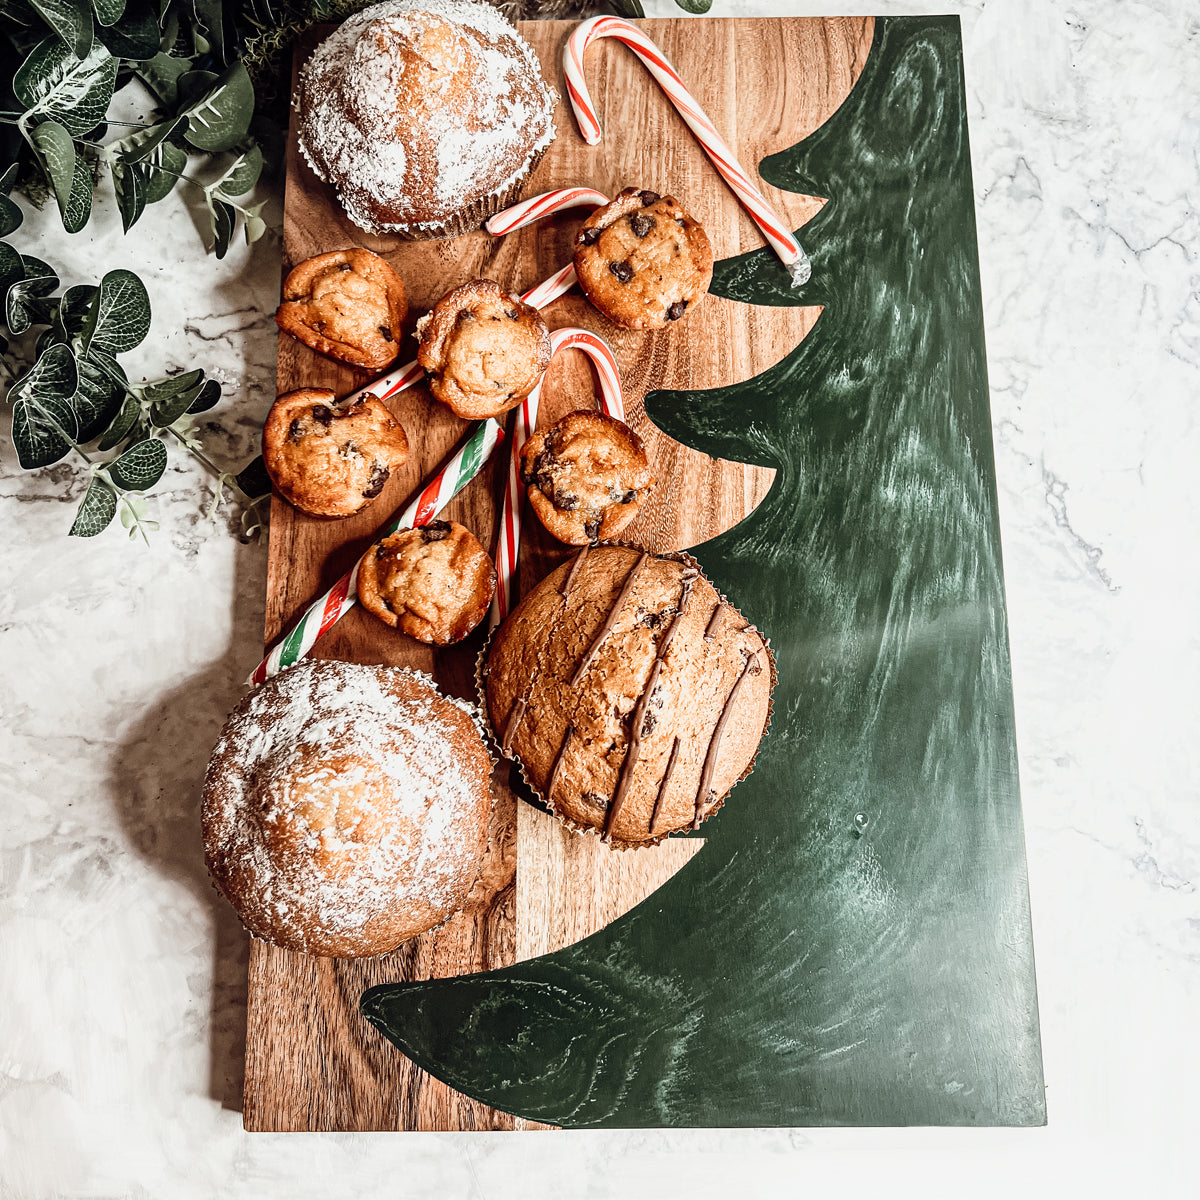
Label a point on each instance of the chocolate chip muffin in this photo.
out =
(586, 476)
(482, 350)
(434, 582)
(327, 460)
(642, 261)
(349, 305)
(345, 808)
(633, 696)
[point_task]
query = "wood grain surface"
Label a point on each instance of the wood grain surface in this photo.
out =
(312, 1063)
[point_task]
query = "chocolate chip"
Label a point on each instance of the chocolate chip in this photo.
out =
(295, 430)
(387, 333)
(641, 224)
(589, 237)
(321, 414)
(676, 310)
(435, 531)
(595, 800)
(565, 502)
(345, 267)
(649, 721)
(622, 270)
(511, 314)
(379, 476)
(648, 198)
(591, 529)
(617, 496)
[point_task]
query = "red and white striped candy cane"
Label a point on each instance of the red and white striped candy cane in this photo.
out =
(781, 239)
(611, 402)
(536, 207)
(325, 611)
(404, 377)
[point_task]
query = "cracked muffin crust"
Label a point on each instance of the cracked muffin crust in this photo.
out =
(434, 583)
(632, 694)
(642, 261)
(349, 305)
(331, 461)
(482, 349)
(586, 476)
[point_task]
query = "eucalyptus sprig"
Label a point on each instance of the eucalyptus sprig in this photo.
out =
(75, 397)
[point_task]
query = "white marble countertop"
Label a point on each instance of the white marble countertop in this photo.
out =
(122, 974)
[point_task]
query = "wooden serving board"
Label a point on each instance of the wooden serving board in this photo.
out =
(312, 1062)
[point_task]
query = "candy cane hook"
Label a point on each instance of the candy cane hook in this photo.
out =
(777, 234)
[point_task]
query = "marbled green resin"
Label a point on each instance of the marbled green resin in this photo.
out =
(853, 944)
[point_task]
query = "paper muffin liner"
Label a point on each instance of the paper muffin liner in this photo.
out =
(481, 674)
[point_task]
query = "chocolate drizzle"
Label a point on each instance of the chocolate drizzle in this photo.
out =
(689, 576)
(569, 582)
(662, 787)
(710, 628)
(510, 726)
(609, 621)
(558, 760)
(710, 759)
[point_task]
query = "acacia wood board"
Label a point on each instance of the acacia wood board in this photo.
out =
(312, 1062)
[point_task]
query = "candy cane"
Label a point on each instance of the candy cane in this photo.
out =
(324, 612)
(752, 200)
(537, 207)
(611, 402)
(404, 377)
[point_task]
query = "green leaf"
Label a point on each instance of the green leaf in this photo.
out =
(161, 75)
(241, 175)
(137, 36)
(207, 397)
(210, 17)
(44, 422)
(71, 20)
(140, 145)
(169, 409)
(56, 151)
(79, 204)
(163, 170)
(122, 313)
(74, 310)
(255, 227)
(167, 388)
(96, 509)
(254, 480)
(223, 219)
(12, 270)
(695, 6)
(220, 118)
(21, 305)
(98, 397)
(53, 84)
(108, 12)
(140, 467)
(122, 423)
(129, 184)
(10, 216)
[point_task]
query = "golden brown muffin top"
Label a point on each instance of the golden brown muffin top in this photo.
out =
(348, 304)
(586, 476)
(434, 583)
(345, 808)
(328, 460)
(633, 696)
(482, 349)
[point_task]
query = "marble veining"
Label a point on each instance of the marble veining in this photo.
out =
(122, 973)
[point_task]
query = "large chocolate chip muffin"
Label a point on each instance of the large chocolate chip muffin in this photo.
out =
(346, 808)
(425, 116)
(632, 695)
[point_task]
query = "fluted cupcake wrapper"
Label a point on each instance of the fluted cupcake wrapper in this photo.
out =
(496, 738)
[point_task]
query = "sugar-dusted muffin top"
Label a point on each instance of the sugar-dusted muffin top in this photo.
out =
(633, 696)
(345, 808)
(414, 109)
(327, 459)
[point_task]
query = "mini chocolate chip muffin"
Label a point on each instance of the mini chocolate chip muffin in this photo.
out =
(330, 461)
(434, 582)
(642, 261)
(349, 305)
(586, 476)
(482, 349)
(632, 694)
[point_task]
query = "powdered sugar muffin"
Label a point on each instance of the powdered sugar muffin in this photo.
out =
(425, 116)
(346, 807)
